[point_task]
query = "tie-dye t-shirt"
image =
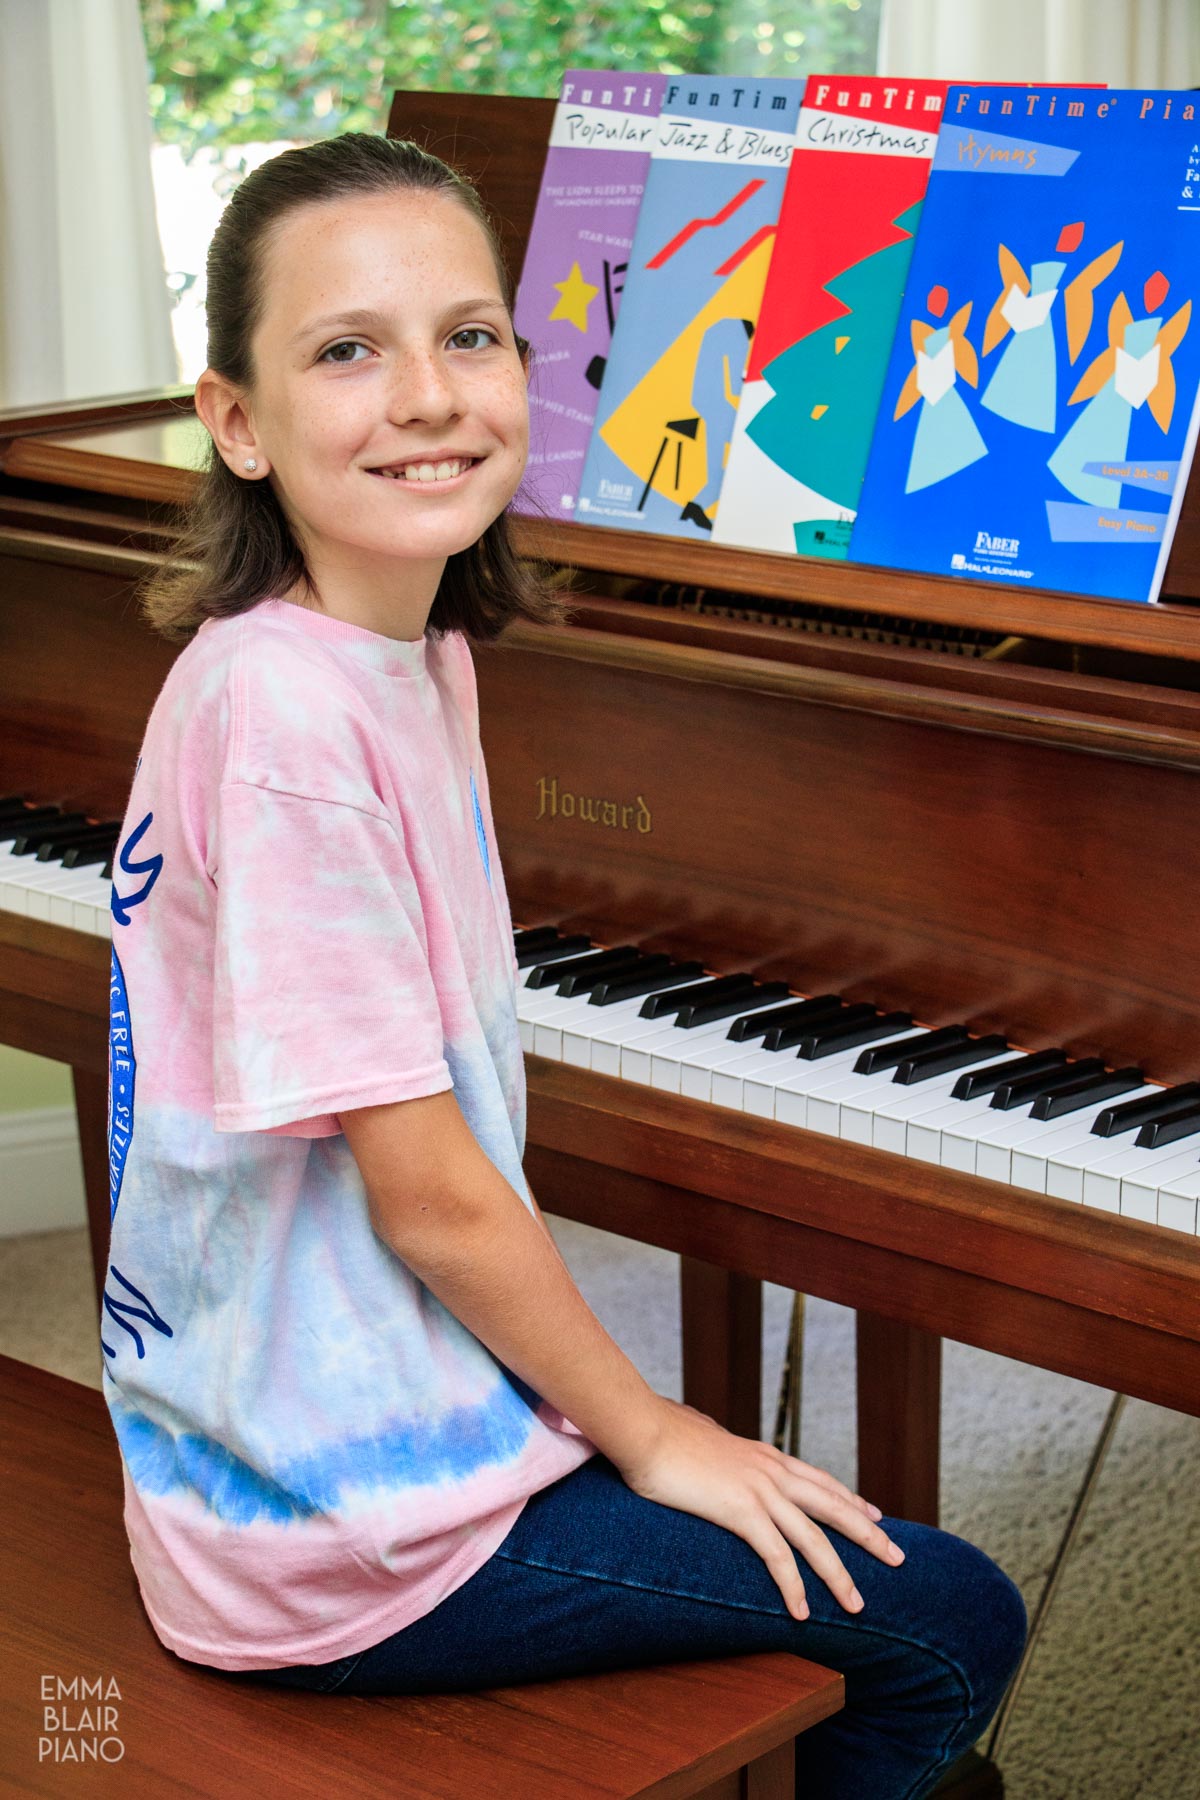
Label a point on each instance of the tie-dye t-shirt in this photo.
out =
(309, 916)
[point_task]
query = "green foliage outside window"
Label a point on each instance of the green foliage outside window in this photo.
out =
(226, 72)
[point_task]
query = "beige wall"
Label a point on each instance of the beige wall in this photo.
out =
(30, 1081)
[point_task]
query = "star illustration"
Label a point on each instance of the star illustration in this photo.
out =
(575, 294)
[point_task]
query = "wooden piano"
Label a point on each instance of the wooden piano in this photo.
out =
(979, 806)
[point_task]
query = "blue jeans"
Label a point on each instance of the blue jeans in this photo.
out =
(591, 1577)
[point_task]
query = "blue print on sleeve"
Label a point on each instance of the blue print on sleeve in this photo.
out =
(480, 833)
(151, 868)
(122, 1071)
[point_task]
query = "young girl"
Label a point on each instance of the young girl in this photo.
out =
(373, 1439)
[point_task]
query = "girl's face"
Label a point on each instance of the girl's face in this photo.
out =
(389, 397)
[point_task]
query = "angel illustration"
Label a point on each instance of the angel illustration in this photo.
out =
(947, 438)
(1024, 384)
(1134, 371)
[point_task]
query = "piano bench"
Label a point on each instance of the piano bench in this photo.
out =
(86, 1680)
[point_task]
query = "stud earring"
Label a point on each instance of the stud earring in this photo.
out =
(251, 464)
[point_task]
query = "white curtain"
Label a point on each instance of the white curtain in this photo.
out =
(84, 308)
(1126, 43)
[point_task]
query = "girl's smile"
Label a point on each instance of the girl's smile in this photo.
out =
(435, 472)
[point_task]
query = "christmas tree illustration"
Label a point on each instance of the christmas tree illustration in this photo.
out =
(817, 426)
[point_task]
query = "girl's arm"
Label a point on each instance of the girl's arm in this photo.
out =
(440, 1203)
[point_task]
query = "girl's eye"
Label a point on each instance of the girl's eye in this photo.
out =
(473, 331)
(333, 351)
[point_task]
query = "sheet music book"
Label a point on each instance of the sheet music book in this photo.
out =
(575, 265)
(696, 274)
(1040, 409)
(864, 144)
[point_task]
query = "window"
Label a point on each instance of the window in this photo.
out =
(232, 85)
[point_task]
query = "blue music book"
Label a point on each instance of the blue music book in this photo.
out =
(1040, 410)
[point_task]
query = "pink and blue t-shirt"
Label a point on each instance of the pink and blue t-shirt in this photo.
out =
(309, 916)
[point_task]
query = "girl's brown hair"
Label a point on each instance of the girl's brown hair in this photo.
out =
(236, 546)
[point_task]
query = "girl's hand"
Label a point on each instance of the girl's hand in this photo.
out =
(769, 1499)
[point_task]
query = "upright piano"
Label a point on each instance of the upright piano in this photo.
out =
(973, 809)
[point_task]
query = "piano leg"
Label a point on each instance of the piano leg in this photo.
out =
(721, 1321)
(899, 1410)
(91, 1113)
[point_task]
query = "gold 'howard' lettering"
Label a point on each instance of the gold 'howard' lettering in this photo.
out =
(554, 802)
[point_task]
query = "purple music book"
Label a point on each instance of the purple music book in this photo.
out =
(575, 265)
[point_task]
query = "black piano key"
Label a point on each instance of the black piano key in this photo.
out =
(15, 823)
(800, 1012)
(80, 856)
(984, 1081)
(16, 812)
(1085, 1091)
(657, 1006)
(786, 1037)
(828, 1041)
(554, 974)
(628, 987)
(531, 936)
(1134, 1113)
(103, 839)
(708, 1012)
(1169, 1130)
(534, 960)
(955, 1056)
(1021, 1090)
(578, 980)
(29, 837)
(890, 1056)
(55, 849)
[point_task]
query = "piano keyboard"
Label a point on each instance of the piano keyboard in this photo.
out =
(1044, 1122)
(56, 866)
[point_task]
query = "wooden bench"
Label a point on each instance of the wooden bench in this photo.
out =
(70, 1612)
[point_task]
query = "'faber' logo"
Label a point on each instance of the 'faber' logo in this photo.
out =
(151, 868)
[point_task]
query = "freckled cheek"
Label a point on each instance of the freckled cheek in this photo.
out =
(510, 411)
(329, 431)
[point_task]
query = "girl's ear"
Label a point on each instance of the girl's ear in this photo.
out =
(222, 408)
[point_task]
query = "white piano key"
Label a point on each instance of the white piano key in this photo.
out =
(1065, 1170)
(902, 1106)
(797, 1079)
(667, 1042)
(983, 1147)
(1102, 1182)
(923, 1133)
(579, 1036)
(890, 1118)
(611, 1040)
(575, 1020)
(1179, 1202)
(825, 1102)
(1031, 1158)
(858, 1116)
(1029, 1161)
(44, 882)
(539, 1003)
(1140, 1190)
(77, 899)
(700, 1066)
